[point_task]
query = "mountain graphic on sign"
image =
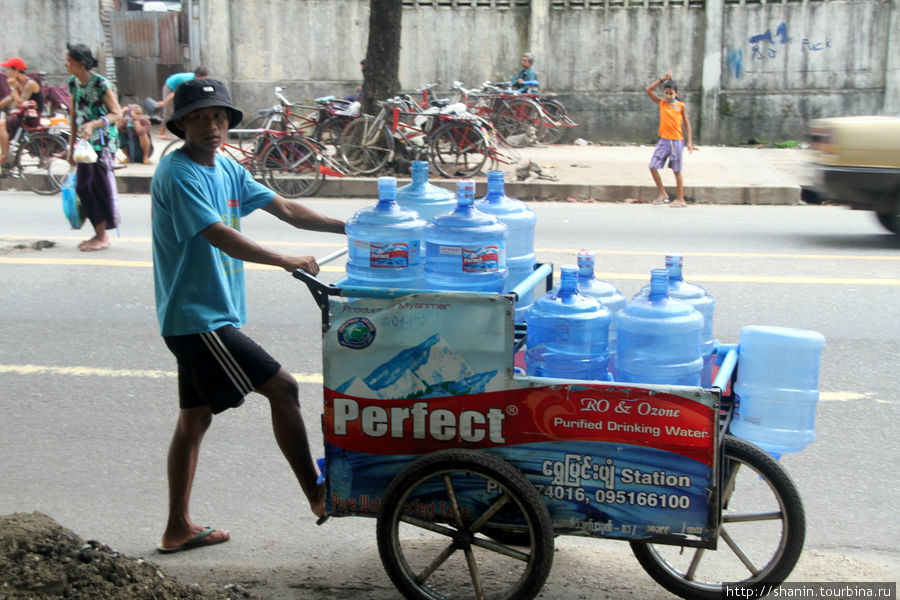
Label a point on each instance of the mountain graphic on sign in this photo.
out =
(431, 369)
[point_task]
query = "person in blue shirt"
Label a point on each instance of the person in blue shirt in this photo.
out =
(198, 198)
(526, 73)
(168, 94)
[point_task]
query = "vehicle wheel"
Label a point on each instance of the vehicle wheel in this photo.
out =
(329, 133)
(760, 535)
(431, 524)
(171, 147)
(291, 167)
(42, 163)
(459, 149)
(550, 133)
(366, 146)
(519, 122)
(891, 220)
(301, 124)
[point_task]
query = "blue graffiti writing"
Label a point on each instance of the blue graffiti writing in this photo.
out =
(781, 32)
(815, 46)
(760, 53)
(736, 62)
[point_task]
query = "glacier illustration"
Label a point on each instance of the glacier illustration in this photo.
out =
(432, 369)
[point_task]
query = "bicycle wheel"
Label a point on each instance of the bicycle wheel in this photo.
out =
(551, 133)
(247, 142)
(459, 149)
(430, 529)
(42, 162)
(291, 166)
(329, 133)
(518, 121)
(171, 147)
(760, 535)
(366, 145)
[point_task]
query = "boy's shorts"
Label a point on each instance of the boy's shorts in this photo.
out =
(667, 149)
(218, 368)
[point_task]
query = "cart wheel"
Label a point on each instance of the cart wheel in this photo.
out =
(760, 535)
(432, 521)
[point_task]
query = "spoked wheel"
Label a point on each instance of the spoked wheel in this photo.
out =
(519, 122)
(760, 537)
(247, 142)
(552, 132)
(366, 145)
(329, 133)
(459, 149)
(292, 167)
(431, 529)
(42, 163)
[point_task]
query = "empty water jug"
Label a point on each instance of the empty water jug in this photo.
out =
(465, 250)
(567, 333)
(385, 243)
(425, 198)
(659, 338)
(520, 221)
(701, 300)
(777, 387)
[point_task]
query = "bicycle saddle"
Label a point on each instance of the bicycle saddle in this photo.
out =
(439, 102)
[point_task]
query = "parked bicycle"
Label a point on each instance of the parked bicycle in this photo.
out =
(455, 142)
(291, 164)
(517, 118)
(39, 153)
(325, 121)
(559, 119)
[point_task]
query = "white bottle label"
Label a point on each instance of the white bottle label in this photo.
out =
(394, 255)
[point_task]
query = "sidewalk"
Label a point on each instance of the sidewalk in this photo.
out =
(712, 175)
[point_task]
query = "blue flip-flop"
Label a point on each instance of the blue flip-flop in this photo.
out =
(195, 542)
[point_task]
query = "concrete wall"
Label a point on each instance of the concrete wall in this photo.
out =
(748, 69)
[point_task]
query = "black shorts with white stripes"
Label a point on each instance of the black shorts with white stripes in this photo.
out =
(218, 368)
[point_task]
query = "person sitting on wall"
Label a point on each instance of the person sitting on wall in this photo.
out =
(134, 135)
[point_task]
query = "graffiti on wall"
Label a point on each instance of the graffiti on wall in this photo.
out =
(766, 46)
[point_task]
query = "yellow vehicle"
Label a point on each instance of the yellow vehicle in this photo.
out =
(858, 164)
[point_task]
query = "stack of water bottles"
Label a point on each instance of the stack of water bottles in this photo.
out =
(422, 236)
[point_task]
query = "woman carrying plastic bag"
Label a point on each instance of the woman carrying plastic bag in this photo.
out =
(92, 117)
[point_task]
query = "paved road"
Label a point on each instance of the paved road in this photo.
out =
(89, 393)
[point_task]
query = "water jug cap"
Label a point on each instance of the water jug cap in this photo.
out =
(387, 189)
(674, 265)
(419, 169)
(659, 283)
(586, 262)
(465, 191)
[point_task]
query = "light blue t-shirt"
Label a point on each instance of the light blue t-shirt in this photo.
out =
(173, 81)
(198, 287)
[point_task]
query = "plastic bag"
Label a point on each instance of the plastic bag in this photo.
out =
(72, 203)
(84, 152)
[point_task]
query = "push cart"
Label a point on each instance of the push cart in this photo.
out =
(472, 468)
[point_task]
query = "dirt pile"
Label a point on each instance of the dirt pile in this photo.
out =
(41, 560)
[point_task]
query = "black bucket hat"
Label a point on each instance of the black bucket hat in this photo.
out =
(201, 93)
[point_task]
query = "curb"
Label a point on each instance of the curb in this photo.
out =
(534, 191)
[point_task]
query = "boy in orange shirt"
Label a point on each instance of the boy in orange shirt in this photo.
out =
(673, 117)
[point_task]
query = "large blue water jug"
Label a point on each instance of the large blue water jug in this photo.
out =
(425, 198)
(385, 243)
(567, 333)
(520, 221)
(701, 300)
(465, 250)
(659, 338)
(603, 291)
(777, 387)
